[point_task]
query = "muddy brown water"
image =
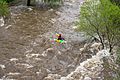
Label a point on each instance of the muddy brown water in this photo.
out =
(26, 52)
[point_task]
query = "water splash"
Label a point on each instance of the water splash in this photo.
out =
(2, 22)
(87, 70)
(2, 66)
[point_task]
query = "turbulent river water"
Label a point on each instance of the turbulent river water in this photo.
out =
(26, 50)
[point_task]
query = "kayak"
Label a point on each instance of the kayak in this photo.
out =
(59, 41)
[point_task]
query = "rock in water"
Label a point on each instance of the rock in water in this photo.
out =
(2, 23)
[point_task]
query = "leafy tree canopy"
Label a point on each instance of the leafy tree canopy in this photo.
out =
(101, 17)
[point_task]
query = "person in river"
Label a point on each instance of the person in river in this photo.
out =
(59, 37)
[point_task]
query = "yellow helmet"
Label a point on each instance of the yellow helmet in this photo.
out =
(57, 34)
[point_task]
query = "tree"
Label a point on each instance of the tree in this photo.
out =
(110, 14)
(28, 2)
(102, 18)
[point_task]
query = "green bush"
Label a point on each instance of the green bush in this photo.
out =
(8, 1)
(3, 8)
(117, 2)
(101, 17)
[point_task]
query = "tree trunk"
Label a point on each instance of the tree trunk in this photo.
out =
(28, 2)
(110, 46)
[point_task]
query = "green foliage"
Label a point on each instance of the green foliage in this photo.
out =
(110, 15)
(100, 17)
(3, 8)
(8, 1)
(117, 2)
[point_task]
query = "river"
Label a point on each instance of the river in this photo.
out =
(26, 49)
